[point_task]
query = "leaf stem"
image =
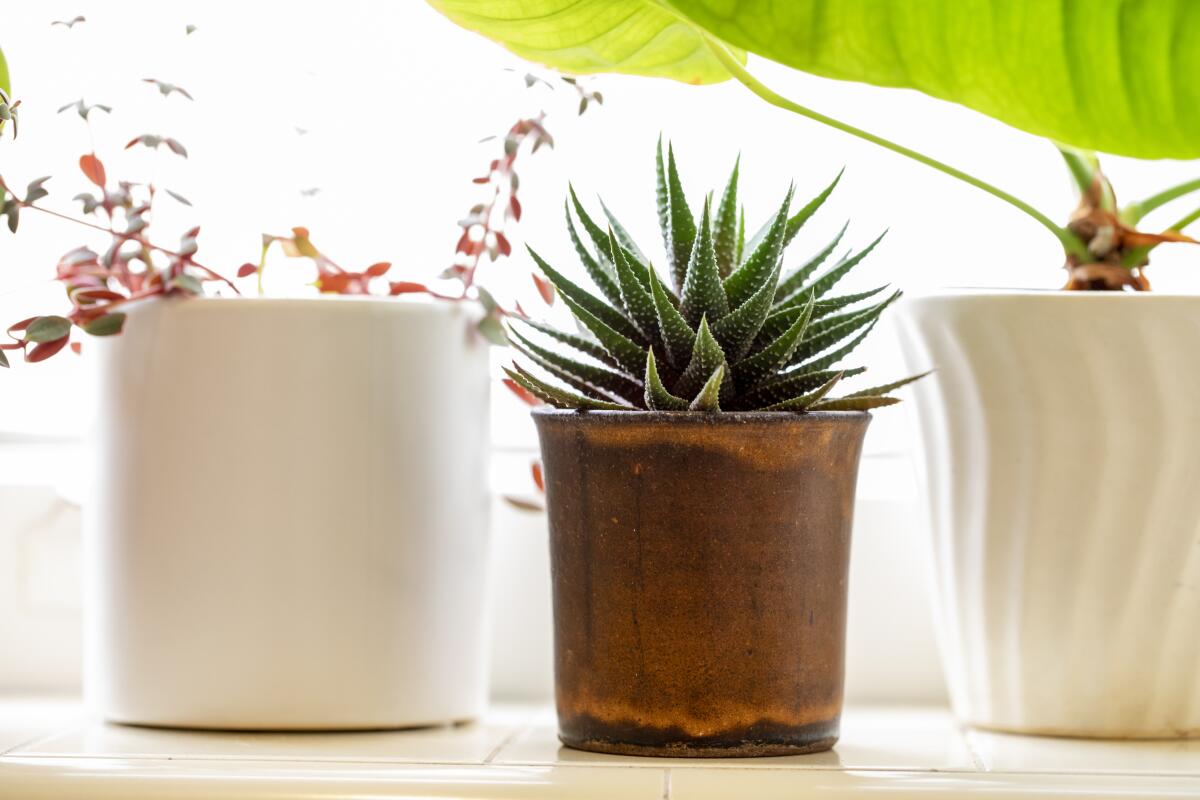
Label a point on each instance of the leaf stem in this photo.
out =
(1135, 211)
(1188, 220)
(1070, 242)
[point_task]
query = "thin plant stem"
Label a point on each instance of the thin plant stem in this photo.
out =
(1135, 211)
(1070, 242)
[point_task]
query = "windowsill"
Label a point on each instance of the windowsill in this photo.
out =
(49, 749)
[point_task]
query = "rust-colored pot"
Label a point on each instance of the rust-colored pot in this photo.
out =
(699, 565)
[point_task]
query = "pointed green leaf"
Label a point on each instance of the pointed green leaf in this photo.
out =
(706, 357)
(709, 397)
(627, 353)
(853, 403)
(725, 228)
(598, 235)
(790, 287)
(581, 386)
(741, 234)
(610, 316)
(888, 388)
(736, 331)
(703, 294)
(763, 261)
(623, 235)
(559, 398)
(782, 315)
(638, 303)
(796, 222)
(753, 370)
(678, 338)
(792, 385)
(681, 226)
(803, 402)
(3, 359)
(599, 273)
(835, 273)
(586, 346)
(657, 397)
(831, 330)
(597, 376)
(834, 356)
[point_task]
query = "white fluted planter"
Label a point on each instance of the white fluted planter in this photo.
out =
(290, 516)
(1061, 439)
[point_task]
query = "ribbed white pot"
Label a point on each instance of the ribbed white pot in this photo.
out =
(289, 526)
(1061, 438)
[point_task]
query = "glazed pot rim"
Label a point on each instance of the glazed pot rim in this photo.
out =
(408, 304)
(699, 417)
(1044, 295)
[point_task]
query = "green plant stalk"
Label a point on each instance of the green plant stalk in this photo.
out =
(1135, 211)
(1070, 242)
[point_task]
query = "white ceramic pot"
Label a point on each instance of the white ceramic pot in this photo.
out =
(1061, 438)
(289, 529)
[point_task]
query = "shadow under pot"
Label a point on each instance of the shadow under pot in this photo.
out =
(699, 566)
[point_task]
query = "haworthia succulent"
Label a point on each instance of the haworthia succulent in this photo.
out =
(792, 283)
(729, 342)
(888, 388)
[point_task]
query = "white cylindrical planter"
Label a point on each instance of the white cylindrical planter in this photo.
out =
(289, 527)
(1061, 440)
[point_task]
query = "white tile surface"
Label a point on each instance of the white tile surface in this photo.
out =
(49, 751)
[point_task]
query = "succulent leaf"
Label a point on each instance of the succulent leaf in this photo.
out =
(586, 346)
(598, 235)
(601, 275)
(678, 338)
(709, 397)
(610, 316)
(831, 330)
(680, 228)
(803, 402)
(853, 403)
(764, 259)
(835, 273)
(753, 370)
(794, 385)
(741, 234)
(637, 300)
(834, 356)
(657, 397)
(559, 398)
(725, 228)
(581, 386)
(703, 294)
(707, 355)
(796, 222)
(627, 353)
(599, 377)
(888, 388)
(623, 235)
(737, 330)
(790, 287)
(782, 316)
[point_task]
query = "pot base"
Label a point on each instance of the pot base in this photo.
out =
(745, 749)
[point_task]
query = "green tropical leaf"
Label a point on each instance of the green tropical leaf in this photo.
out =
(657, 397)
(4, 81)
(725, 227)
(703, 294)
(709, 396)
(633, 37)
(764, 259)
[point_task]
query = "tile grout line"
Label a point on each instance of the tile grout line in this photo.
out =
(666, 793)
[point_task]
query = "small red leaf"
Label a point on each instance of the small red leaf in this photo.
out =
(44, 350)
(502, 244)
(76, 347)
(536, 468)
(521, 392)
(406, 287)
(93, 169)
(483, 179)
(544, 287)
(514, 208)
(247, 269)
(375, 270)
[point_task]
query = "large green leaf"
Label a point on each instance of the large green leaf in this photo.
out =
(636, 37)
(4, 84)
(1111, 75)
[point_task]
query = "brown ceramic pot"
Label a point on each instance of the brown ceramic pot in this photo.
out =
(699, 564)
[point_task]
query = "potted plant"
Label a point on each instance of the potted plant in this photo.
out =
(1027, 439)
(289, 522)
(700, 480)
